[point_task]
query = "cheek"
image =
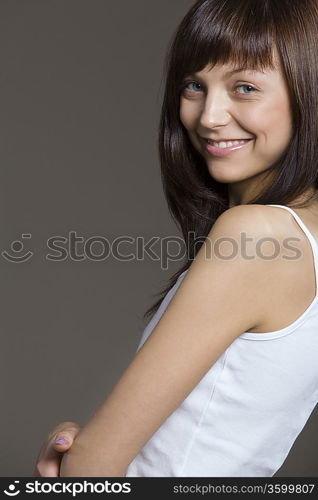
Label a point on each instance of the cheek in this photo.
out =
(275, 122)
(271, 123)
(282, 121)
(188, 114)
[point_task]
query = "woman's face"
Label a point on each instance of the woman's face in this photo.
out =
(248, 105)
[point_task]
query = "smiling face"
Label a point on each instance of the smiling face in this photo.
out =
(220, 105)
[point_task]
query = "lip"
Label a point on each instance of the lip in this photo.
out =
(214, 151)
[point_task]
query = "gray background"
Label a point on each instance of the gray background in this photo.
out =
(81, 88)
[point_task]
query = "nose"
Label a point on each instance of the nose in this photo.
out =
(215, 112)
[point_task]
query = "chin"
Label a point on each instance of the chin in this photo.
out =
(226, 173)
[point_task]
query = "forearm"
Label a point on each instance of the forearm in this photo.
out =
(88, 463)
(110, 440)
(92, 453)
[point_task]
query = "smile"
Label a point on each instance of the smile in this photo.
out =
(223, 148)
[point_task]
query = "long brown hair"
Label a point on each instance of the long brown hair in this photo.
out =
(244, 33)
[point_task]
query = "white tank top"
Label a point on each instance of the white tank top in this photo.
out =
(246, 412)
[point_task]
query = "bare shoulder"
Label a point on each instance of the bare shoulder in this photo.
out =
(253, 228)
(232, 270)
(267, 252)
(252, 217)
(281, 261)
(270, 223)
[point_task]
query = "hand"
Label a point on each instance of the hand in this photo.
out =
(51, 453)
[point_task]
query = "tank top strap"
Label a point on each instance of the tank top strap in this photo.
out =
(312, 240)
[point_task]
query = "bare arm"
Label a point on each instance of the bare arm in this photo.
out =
(210, 309)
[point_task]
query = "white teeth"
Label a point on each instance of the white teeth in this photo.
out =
(226, 144)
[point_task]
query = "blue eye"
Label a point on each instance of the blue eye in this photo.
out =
(246, 86)
(195, 87)
(185, 86)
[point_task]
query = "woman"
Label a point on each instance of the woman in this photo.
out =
(225, 376)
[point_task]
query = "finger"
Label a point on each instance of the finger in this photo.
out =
(63, 442)
(48, 465)
(51, 453)
(47, 469)
(64, 439)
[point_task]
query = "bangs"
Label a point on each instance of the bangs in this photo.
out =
(239, 33)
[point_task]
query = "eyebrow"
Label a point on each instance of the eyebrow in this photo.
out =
(238, 70)
(233, 71)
